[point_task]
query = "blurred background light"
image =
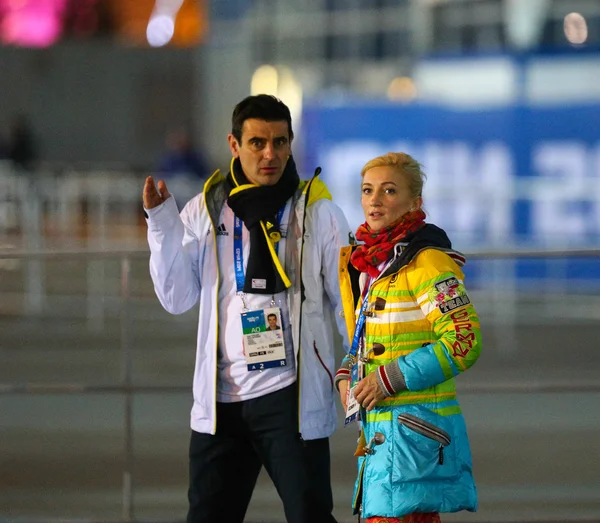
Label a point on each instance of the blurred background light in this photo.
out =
(161, 26)
(290, 92)
(265, 80)
(576, 29)
(134, 21)
(160, 30)
(42, 23)
(280, 82)
(402, 89)
(31, 23)
(524, 21)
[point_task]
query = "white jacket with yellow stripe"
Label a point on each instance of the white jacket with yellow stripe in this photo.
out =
(184, 270)
(425, 331)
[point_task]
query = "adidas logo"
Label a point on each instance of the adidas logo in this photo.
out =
(221, 231)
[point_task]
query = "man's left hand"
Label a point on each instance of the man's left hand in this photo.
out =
(368, 392)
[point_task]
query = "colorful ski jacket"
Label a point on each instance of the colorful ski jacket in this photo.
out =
(422, 330)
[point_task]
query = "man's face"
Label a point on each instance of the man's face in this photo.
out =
(272, 322)
(263, 150)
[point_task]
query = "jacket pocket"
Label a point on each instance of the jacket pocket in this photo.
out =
(317, 380)
(322, 363)
(425, 449)
(429, 430)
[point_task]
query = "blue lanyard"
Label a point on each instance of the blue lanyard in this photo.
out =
(238, 249)
(360, 322)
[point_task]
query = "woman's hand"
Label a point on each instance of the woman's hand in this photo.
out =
(343, 387)
(368, 392)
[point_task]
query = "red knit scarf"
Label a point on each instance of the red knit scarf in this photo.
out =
(379, 245)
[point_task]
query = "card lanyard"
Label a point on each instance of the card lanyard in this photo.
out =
(238, 251)
(362, 317)
(360, 322)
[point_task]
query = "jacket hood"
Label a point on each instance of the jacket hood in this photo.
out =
(317, 188)
(432, 235)
(427, 237)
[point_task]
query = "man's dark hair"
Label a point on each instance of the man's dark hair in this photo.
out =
(262, 107)
(272, 316)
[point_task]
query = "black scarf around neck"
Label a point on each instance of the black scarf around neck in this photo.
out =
(257, 206)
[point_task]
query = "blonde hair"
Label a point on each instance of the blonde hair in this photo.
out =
(404, 164)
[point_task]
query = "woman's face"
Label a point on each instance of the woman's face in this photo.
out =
(386, 197)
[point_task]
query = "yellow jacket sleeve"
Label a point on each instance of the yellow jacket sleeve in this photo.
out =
(436, 282)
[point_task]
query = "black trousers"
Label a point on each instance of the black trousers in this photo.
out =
(262, 431)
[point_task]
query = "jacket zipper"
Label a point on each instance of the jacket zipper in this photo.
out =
(216, 253)
(301, 263)
(322, 363)
(429, 430)
(357, 501)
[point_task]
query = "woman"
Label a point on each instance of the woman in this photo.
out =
(413, 329)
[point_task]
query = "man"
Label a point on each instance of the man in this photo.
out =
(256, 242)
(272, 321)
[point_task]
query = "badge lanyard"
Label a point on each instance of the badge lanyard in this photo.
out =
(262, 349)
(238, 252)
(360, 322)
(362, 317)
(353, 408)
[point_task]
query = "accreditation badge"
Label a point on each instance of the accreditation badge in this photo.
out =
(262, 334)
(352, 406)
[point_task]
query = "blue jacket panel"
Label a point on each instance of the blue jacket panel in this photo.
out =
(424, 464)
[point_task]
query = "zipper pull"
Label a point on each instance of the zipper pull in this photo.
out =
(441, 455)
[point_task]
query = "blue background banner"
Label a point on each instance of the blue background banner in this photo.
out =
(496, 177)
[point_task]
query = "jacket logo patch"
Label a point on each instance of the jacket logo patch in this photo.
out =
(449, 294)
(222, 231)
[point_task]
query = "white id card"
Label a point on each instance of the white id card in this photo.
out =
(352, 406)
(263, 339)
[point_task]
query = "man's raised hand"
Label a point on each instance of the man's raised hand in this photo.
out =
(152, 196)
